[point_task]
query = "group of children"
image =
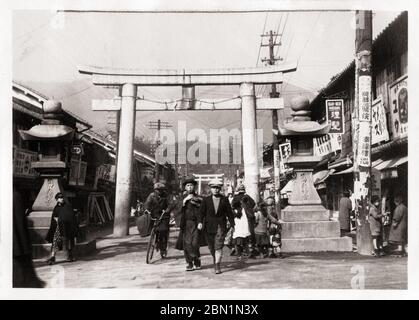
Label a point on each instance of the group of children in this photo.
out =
(257, 228)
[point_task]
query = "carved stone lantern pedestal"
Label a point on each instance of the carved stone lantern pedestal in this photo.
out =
(307, 227)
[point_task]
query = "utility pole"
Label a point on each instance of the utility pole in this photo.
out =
(274, 94)
(158, 125)
(362, 129)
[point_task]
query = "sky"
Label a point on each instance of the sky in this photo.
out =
(48, 47)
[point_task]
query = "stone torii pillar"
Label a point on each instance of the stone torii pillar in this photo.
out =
(129, 80)
(125, 158)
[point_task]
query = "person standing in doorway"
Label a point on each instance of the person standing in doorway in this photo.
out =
(63, 229)
(215, 211)
(398, 230)
(345, 207)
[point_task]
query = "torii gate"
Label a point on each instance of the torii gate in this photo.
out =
(129, 79)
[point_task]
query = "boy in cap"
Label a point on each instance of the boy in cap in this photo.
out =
(215, 210)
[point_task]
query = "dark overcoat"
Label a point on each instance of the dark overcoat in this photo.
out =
(345, 207)
(67, 222)
(211, 219)
(374, 218)
(156, 204)
(398, 230)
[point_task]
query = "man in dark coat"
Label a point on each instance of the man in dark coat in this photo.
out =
(215, 210)
(24, 275)
(158, 204)
(63, 229)
(190, 225)
(398, 230)
(345, 207)
(243, 200)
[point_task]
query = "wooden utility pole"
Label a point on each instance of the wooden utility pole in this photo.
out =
(158, 125)
(362, 129)
(275, 143)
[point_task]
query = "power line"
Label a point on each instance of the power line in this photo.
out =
(263, 31)
(305, 45)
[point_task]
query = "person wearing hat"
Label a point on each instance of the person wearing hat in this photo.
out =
(190, 225)
(243, 201)
(215, 211)
(63, 229)
(156, 203)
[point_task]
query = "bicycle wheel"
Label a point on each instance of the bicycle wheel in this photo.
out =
(150, 246)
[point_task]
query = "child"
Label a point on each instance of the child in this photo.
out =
(274, 230)
(241, 230)
(374, 218)
(261, 229)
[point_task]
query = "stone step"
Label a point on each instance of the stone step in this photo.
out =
(39, 219)
(304, 213)
(335, 244)
(43, 251)
(310, 229)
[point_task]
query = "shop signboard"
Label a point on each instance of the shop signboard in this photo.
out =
(335, 115)
(379, 123)
(399, 107)
(22, 160)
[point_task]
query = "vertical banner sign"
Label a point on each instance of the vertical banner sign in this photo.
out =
(335, 115)
(285, 152)
(364, 145)
(364, 98)
(379, 123)
(398, 107)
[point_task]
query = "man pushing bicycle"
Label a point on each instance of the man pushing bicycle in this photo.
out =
(156, 203)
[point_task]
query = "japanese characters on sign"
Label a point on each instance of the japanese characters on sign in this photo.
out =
(398, 107)
(378, 122)
(364, 98)
(335, 115)
(22, 160)
(326, 144)
(364, 145)
(285, 152)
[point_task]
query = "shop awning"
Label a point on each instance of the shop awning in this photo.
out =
(380, 165)
(391, 163)
(321, 176)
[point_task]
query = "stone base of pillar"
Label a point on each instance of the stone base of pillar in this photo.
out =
(334, 244)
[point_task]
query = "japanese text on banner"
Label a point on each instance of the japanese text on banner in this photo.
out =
(364, 98)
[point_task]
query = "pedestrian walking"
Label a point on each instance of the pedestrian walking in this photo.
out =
(345, 207)
(398, 230)
(241, 231)
(24, 275)
(274, 230)
(374, 219)
(263, 221)
(190, 225)
(243, 200)
(215, 211)
(63, 229)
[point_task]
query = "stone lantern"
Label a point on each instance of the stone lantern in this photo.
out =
(307, 226)
(52, 136)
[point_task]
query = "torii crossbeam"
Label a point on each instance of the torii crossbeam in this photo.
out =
(129, 79)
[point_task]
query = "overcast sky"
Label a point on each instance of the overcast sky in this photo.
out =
(48, 46)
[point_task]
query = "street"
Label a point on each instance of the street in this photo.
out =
(120, 263)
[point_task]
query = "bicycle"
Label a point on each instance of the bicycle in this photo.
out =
(153, 242)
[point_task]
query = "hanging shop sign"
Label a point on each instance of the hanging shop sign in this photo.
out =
(22, 160)
(375, 182)
(336, 141)
(398, 107)
(335, 115)
(364, 98)
(364, 145)
(77, 175)
(285, 151)
(378, 122)
(322, 145)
